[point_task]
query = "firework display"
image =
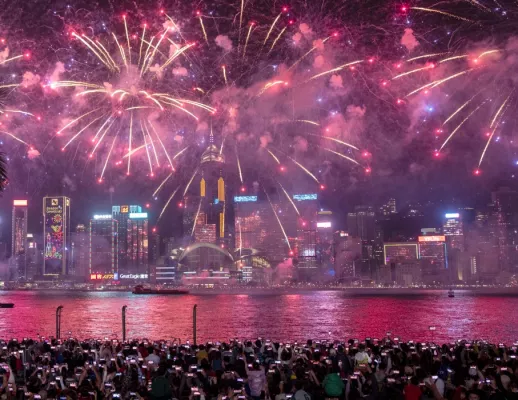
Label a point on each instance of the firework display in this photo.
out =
(285, 93)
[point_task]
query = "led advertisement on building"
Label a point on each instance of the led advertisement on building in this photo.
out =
(55, 233)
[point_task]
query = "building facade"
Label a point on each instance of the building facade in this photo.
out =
(103, 254)
(18, 270)
(56, 235)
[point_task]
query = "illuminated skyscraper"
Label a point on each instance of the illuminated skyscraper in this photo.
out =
(405, 252)
(56, 235)
(307, 206)
(80, 239)
(137, 240)
(121, 214)
(257, 227)
(103, 245)
(207, 196)
(33, 258)
(324, 248)
(433, 258)
(362, 223)
(19, 240)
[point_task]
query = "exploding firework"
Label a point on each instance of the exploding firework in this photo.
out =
(123, 106)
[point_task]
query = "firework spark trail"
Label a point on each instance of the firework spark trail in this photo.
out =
(107, 55)
(162, 184)
(335, 140)
(460, 125)
(167, 203)
(425, 56)
(190, 181)
(15, 137)
(152, 55)
(270, 85)
(488, 52)
(277, 39)
(136, 149)
(102, 138)
(308, 53)
(108, 156)
(500, 110)
(278, 219)
(84, 128)
(101, 128)
(16, 112)
(75, 120)
(289, 198)
(161, 143)
(196, 218)
(239, 167)
(241, 19)
(179, 153)
(341, 155)
(152, 144)
(431, 66)
(10, 59)
(439, 82)
(247, 38)
(432, 10)
(486, 146)
(147, 150)
(341, 67)
(224, 74)
(127, 38)
(203, 29)
(307, 121)
(459, 110)
(130, 142)
(93, 50)
(453, 58)
(302, 167)
(273, 156)
(141, 44)
(271, 28)
(121, 50)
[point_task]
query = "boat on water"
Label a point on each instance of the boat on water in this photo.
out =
(139, 289)
(451, 293)
(6, 305)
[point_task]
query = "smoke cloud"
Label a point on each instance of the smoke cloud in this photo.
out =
(30, 79)
(409, 40)
(224, 42)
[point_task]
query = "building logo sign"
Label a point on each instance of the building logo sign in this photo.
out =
(19, 202)
(132, 276)
(102, 277)
(124, 209)
(103, 216)
(437, 238)
(452, 215)
(326, 224)
(302, 197)
(244, 199)
(141, 215)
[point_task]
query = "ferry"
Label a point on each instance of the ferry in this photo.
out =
(6, 305)
(139, 289)
(451, 293)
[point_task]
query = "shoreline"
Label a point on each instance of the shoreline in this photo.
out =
(461, 292)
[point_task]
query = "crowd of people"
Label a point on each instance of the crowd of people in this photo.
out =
(253, 370)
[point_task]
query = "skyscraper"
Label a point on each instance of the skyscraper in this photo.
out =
(433, 258)
(453, 230)
(362, 223)
(121, 214)
(208, 197)
(325, 239)
(56, 235)
(307, 207)
(103, 245)
(137, 239)
(33, 258)
(19, 240)
(80, 264)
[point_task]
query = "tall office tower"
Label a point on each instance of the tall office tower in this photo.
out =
(80, 265)
(504, 218)
(433, 258)
(154, 251)
(324, 247)
(103, 245)
(121, 214)
(258, 226)
(18, 270)
(389, 208)
(33, 258)
(306, 247)
(347, 256)
(453, 230)
(137, 240)
(208, 197)
(56, 235)
(362, 223)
